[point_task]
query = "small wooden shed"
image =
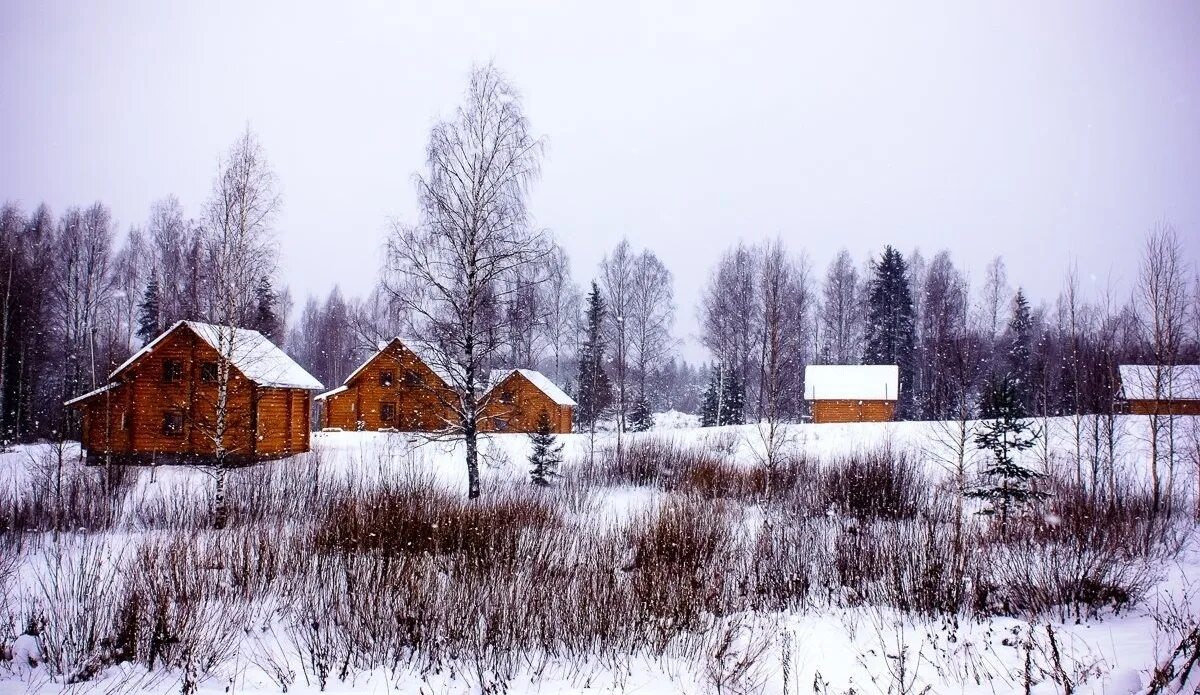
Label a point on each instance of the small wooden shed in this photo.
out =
(161, 405)
(517, 398)
(852, 393)
(1160, 390)
(393, 390)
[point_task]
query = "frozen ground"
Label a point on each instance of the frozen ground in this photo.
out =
(861, 650)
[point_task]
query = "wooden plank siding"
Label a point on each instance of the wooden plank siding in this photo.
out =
(515, 404)
(414, 396)
(852, 411)
(129, 421)
(1163, 407)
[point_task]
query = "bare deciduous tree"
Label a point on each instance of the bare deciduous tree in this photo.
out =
(446, 271)
(1162, 305)
(841, 312)
(237, 236)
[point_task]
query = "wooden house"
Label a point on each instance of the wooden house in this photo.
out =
(161, 405)
(393, 390)
(852, 393)
(1160, 390)
(517, 398)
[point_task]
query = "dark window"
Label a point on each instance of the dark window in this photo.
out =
(172, 370)
(411, 378)
(386, 379)
(506, 396)
(501, 424)
(172, 423)
(387, 412)
(208, 372)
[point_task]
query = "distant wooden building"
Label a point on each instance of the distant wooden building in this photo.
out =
(161, 405)
(393, 390)
(1155, 390)
(518, 397)
(852, 393)
(397, 389)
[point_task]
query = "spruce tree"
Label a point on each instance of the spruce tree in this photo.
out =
(710, 408)
(891, 322)
(1020, 351)
(1009, 484)
(733, 400)
(640, 419)
(546, 454)
(149, 315)
(595, 390)
(265, 319)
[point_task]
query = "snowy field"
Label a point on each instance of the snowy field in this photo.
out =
(770, 593)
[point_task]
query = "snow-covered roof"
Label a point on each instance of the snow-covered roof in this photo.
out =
(89, 394)
(541, 381)
(1147, 382)
(860, 382)
(413, 347)
(332, 392)
(251, 353)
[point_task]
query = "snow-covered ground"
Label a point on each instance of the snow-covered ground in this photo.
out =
(862, 649)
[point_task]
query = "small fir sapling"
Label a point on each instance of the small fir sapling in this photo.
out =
(1009, 484)
(547, 452)
(640, 419)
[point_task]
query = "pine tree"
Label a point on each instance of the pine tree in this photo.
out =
(1009, 484)
(1020, 350)
(265, 320)
(640, 419)
(595, 390)
(149, 325)
(891, 321)
(546, 454)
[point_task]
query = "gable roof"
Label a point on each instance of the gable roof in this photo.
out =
(95, 392)
(439, 373)
(860, 382)
(1147, 382)
(251, 353)
(541, 381)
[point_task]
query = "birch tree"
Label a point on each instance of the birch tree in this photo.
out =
(445, 271)
(238, 242)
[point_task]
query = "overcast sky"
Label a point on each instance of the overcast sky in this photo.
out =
(1048, 132)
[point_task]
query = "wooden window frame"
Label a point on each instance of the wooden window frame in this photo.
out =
(172, 371)
(384, 409)
(167, 429)
(387, 379)
(205, 372)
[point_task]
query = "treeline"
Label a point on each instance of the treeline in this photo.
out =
(75, 303)
(765, 315)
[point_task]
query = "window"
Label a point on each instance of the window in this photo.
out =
(386, 379)
(387, 412)
(501, 425)
(411, 378)
(172, 371)
(172, 423)
(208, 372)
(506, 397)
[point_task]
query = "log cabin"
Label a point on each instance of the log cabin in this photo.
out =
(852, 393)
(393, 390)
(1161, 390)
(518, 397)
(161, 405)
